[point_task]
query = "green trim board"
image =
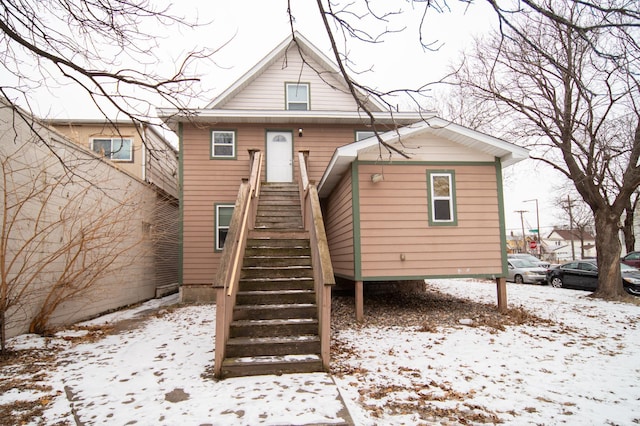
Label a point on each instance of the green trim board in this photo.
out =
(417, 277)
(427, 163)
(181, 202)
(355, 211)
(235, 144)
(501, 215)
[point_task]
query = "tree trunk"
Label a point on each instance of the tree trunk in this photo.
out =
(629, 236)
(3, 335)
(608, 247)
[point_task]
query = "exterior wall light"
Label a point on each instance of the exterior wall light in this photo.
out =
(377, 177)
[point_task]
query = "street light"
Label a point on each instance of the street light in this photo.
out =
(538, 225)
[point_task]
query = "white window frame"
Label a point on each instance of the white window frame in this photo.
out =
(306, 103)
(214, 144)
(449, 198)
(219, 245)
(113, 141)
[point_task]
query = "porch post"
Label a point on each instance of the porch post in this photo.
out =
(501, 284)
(359, 301)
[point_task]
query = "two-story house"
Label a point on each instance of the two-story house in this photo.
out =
(421, 198)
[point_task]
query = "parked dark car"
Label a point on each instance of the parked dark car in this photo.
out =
(632, 259)
(583, 275)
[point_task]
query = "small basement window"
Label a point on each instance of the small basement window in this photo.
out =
(222, 222)
(297, 95)
(441, 195)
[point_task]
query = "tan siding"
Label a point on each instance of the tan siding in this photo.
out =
(394, 222)
(267, 91)
(207, 182)
(339, 225)
(83, 134)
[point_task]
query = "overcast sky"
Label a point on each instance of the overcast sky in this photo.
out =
(245, 31)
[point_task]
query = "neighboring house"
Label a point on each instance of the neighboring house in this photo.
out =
(564, 245)
(139, 150)
(76, 220)
(143, 152)
(429, 207)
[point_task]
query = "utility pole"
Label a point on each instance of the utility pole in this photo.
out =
(573, 247)
(524, 240)
(538, 225)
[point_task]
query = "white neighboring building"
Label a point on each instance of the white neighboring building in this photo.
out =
(562, 244)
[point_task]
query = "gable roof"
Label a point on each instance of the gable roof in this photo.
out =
(508, 153)
(306, 48)
(219, 110)
(566, 234)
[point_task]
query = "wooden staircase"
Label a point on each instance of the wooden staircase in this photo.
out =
(275, 319)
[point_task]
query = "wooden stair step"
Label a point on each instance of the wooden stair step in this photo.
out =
(269, 346)
(261, 365)
(260, 297)
(273, 327)
(273, 311)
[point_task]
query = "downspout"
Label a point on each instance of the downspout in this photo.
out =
(143, 135)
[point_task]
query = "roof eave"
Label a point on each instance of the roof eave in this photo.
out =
(174, 116)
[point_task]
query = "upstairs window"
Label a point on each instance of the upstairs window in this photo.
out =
(116, 149)
(223, 220)
(223, 144)
(441, 194)
(364, 134)
(297, 96)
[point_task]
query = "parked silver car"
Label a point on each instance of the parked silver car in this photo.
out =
(531, 258)
(524, 271)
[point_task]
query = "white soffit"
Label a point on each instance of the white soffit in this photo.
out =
(508, 153)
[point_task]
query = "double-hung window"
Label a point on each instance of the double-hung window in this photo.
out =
(297, 95)
(223, 220)
(116, 149)
(441, 195)
(223, 144)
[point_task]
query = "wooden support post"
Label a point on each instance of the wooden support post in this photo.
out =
(501, 284)
(359, 301)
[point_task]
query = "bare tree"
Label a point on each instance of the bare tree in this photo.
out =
(564, 69)
(566, 83)
(577, 218)
(62, 233)
(107, 49)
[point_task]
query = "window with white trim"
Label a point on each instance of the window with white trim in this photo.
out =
(223, 144)
(116, 149)
(297, 95)
(223, 220)
(442, 206)
(364, 134)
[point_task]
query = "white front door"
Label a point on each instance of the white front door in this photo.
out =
(279, 157)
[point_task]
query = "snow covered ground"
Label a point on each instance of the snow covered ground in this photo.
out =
(154, 368)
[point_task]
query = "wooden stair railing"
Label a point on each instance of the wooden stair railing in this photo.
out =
(226, 281)
(320, 256)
